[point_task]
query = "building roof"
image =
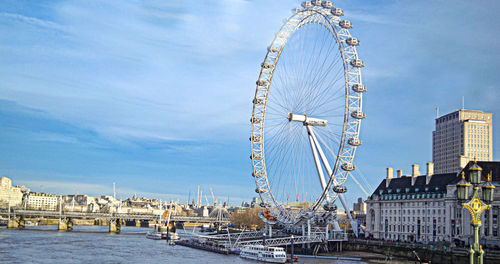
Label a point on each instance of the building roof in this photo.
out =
(492, 167)
(438, 181)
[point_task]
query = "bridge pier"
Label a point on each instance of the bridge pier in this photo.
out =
(22, 223)
(114, 226)
(62, 226)
(13, 224)
(69, 225)
(65, 224)
(137, 223)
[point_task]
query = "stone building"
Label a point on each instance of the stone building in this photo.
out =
(424, 208)
(460, 137)
(10, 194)
(42, 201)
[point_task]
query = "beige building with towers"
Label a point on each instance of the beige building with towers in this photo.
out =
(459, 137)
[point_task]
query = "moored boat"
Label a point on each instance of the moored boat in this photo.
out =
(153, 235)
(263, 253)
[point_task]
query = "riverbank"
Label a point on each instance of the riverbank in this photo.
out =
(427, 253)
(369, 257)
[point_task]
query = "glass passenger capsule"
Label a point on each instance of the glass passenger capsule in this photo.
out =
(327, 4)
(258, 101)
(345, 24)
(352, 41)
(261, 82)
(340, 189)
(257, 174)
(255, 157)
(357, 63)
(273, 49)
(358, 114)
(266, 65)
(255, 120)
(254, 139)
(354, 142)
(359, 88)
(330, 207)
(348, 167)
(337, 12)
(316, 2)
(307, 4)
(264, 205)
(260, 190)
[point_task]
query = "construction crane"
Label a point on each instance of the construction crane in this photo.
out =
(213, 197)
(206, 199)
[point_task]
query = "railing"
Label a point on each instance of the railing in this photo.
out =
(239, 236)
(282, 241)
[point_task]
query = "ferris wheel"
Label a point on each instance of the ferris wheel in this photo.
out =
(307, 114)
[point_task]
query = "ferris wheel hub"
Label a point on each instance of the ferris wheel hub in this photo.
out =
(308, 121)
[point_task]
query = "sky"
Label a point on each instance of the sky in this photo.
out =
(156, 95)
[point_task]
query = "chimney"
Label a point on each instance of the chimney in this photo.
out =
(414, 173)
(400, 173)
(430, 172)
(430, 168)
(390, 174)
(414, 170)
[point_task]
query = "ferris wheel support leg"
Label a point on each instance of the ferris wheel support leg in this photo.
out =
(268, 232)
(317, 162)
(354, 224)
(329, 171)
(322, 155)
(309, 229)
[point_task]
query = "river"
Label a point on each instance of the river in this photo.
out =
(92, 244)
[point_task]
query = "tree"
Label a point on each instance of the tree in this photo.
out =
(247, 218)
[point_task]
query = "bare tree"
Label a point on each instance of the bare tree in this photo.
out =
(247, 218)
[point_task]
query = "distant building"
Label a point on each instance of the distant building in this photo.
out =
(9, 194)
(42, 201)
(359, 214)
(459, 137)
(424, 208)
(359, 207)
(256, 201)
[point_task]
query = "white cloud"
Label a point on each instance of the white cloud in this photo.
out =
(33, 21)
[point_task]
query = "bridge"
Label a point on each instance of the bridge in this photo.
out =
(17, 218)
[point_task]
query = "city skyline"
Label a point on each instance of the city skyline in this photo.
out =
(156, 97)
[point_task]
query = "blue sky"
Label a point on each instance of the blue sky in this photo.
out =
(156, 95)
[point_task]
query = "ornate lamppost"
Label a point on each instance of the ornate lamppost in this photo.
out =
(475, 205)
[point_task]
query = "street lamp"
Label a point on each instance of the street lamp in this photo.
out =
(475, 205)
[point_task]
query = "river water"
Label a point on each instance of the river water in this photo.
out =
(92, 244)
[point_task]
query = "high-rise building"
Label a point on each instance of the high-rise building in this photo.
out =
(460, 137)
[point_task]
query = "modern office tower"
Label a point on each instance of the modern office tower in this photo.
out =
(460, 137)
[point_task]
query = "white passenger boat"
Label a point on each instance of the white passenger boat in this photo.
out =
(263, 253)
(162, 235)
(153, 235)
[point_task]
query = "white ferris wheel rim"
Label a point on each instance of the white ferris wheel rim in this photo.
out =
(353, 107)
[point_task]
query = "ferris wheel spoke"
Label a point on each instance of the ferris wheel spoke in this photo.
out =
(320, 73)
(284, 150)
